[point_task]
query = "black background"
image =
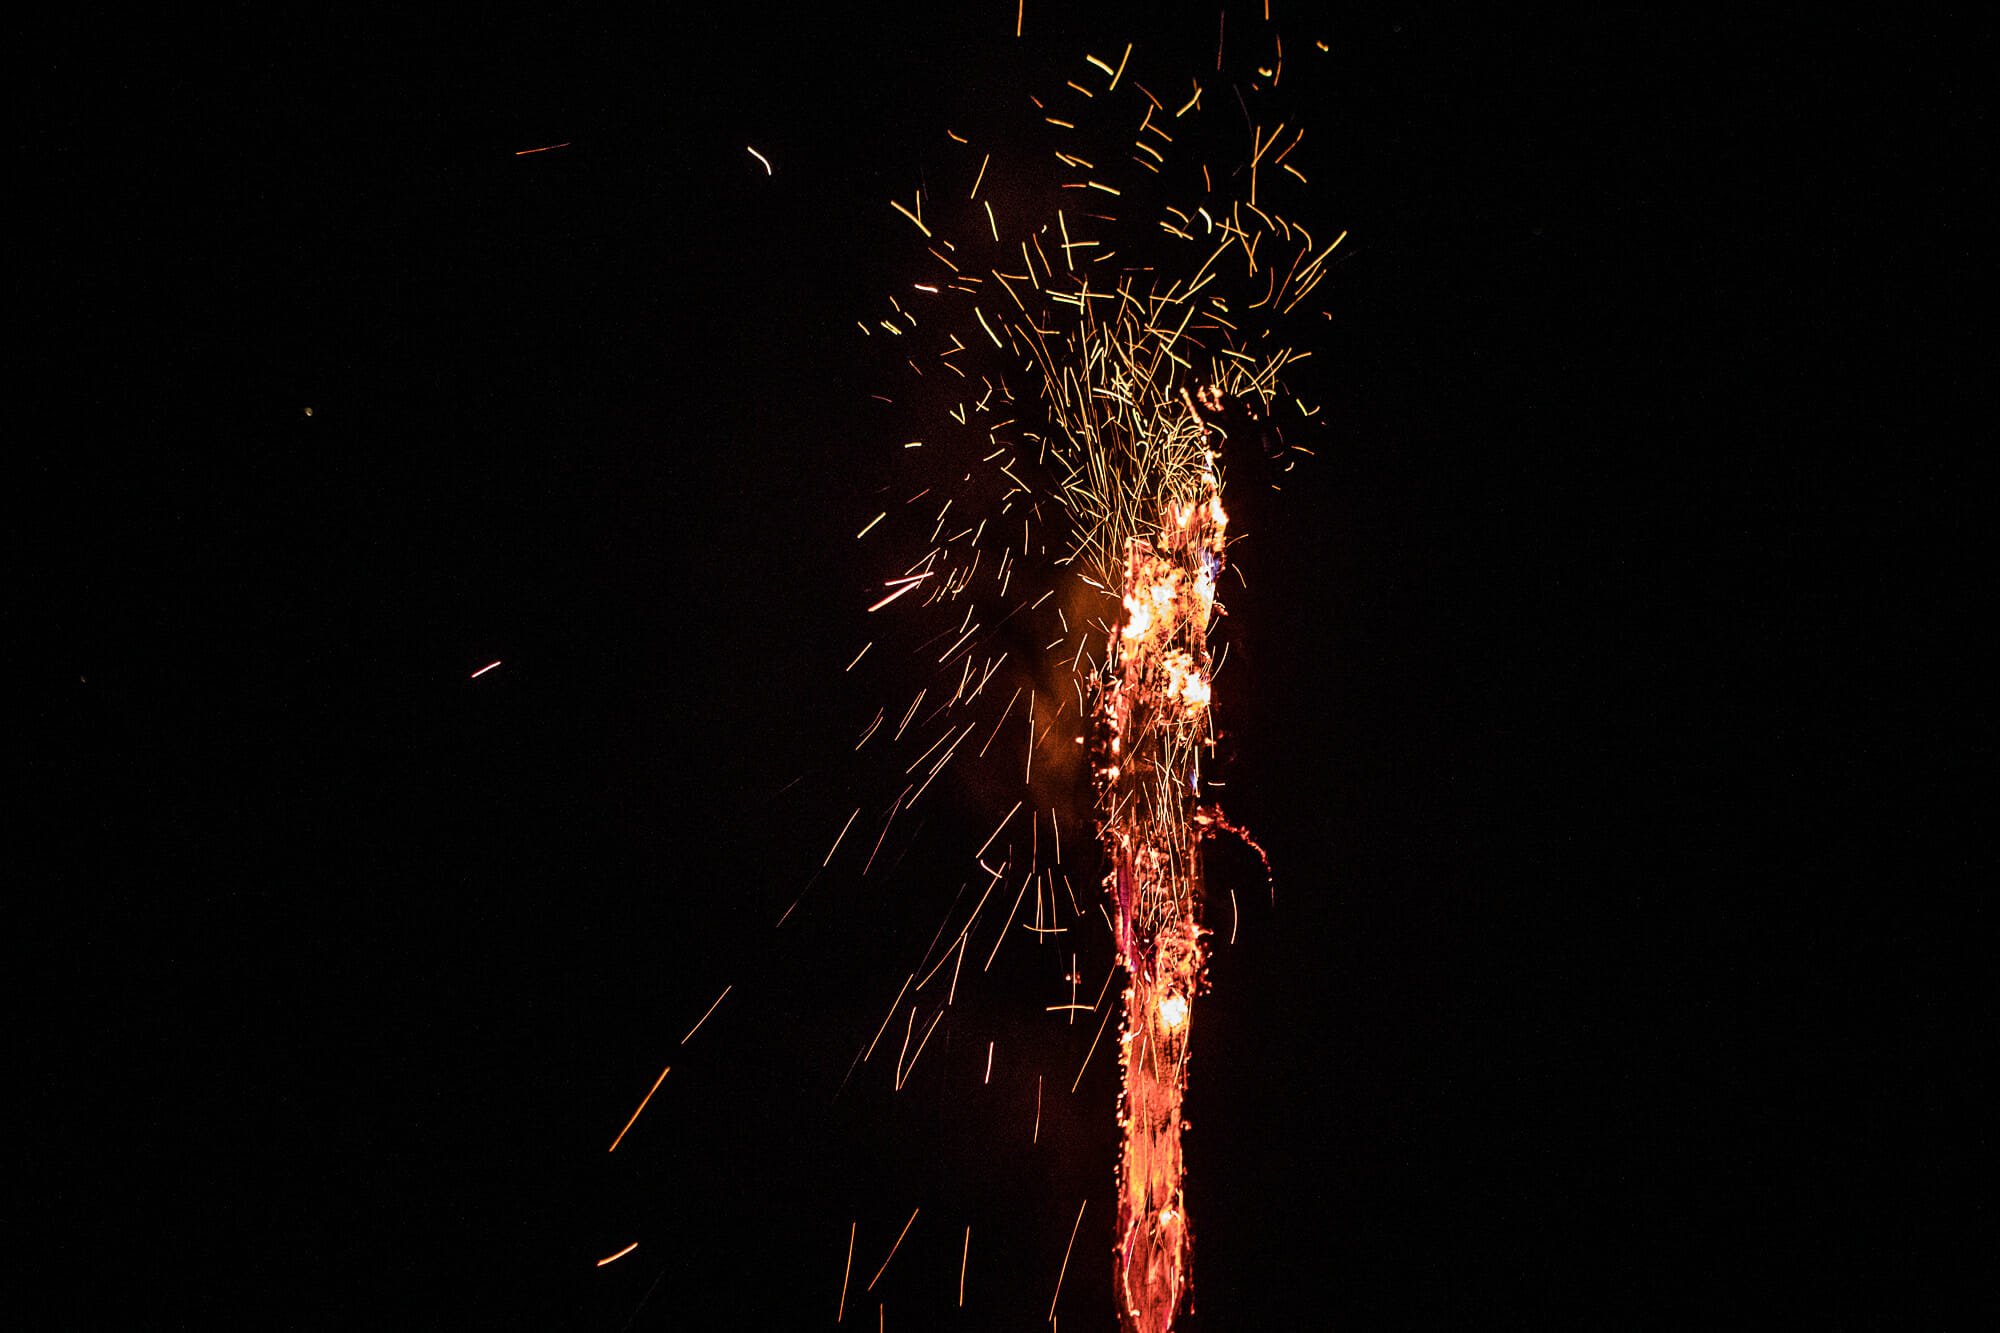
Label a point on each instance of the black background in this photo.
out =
(1603, 706)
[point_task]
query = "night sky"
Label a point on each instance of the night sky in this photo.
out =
(1597, 688)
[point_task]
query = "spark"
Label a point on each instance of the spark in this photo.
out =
(843, 833)
(903, 1073)
(1074, 1227)
(635, 1115)
(1003, 824)
(883, 834)
(846, 1272)
(725, 992)
(483, 670)
(1003, 929)
(1102, 1023)
(897, 205)
(902, 586)
(892, 1250)
(761, 158)
(893, 1006)
(620, 1255)
(549, 149)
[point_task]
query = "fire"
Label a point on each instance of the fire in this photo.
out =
(1121, 379)
(1153, 707)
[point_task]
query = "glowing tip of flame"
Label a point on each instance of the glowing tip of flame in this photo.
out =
(1173, 1011)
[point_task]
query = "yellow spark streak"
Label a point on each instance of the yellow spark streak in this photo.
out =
(1121, 64)
(907, 584)
(761, 158)
(903, 1075)
(997, 725)
(1320, 258)
(991, 222)
(996, 953)
(635, 1117)
(829, 853)
(897, 205)
(897, 1003)
(857, 658)
(620, 1255)
(483, 670)
(1003, 823)
(966, 1253)
(1066, 1251)
(732, 985)
(892, 1250)
(1101, 65)
(871, 523)
(842, 1314)
(1092, 1051)
(871, 726)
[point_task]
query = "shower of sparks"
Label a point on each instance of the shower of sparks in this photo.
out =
(1099, 364)
(1097, 354)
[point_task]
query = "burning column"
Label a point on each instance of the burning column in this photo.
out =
(1153, 718)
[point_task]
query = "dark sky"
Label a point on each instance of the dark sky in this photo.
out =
(1598, 693)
